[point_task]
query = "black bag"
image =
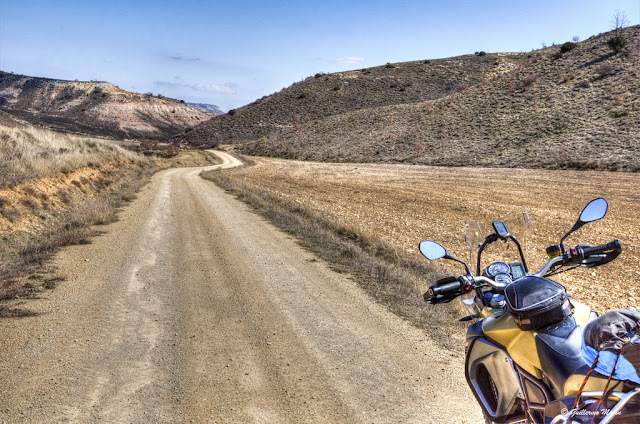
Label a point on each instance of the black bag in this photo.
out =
(536, 302)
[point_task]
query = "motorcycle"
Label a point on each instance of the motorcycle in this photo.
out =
(524, 358)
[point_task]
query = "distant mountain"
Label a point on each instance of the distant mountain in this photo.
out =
(95, 108)
(572, 105)
(213, 109)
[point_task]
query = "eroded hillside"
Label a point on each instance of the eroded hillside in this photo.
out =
(53, 188)
(95, 108)
(532, 109)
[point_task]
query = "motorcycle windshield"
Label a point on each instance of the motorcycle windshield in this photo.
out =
(476, 231)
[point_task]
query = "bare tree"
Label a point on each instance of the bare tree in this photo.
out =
(619, 20)
(575, 39)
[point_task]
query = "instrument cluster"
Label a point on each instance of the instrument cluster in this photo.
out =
(505, 273)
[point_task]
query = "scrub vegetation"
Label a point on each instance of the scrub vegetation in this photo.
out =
(53, 188)
(531, 110)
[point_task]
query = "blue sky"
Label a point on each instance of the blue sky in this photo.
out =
(231, 53)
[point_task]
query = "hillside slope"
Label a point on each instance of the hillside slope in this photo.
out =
(95, 108)
(332, 94)
(526, 109)
(213, 109)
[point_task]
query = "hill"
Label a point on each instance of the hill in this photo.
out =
(533, 109)
(95, 108)
(212, 109)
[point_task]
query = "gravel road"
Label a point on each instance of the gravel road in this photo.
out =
(193, 309)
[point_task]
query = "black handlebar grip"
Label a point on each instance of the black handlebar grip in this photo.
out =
(443, 289)
(611, 246)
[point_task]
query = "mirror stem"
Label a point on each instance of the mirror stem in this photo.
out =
(575, 227)
(448, 256)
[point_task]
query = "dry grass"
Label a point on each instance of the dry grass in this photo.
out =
(28, 153)
(191, 158)
(53, 189)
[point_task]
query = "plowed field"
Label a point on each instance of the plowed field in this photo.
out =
(404, 204)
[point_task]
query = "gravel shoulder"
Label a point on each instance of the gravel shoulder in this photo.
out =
(193, 308)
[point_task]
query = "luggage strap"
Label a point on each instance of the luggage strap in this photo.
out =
(606, 389)
(584, 383)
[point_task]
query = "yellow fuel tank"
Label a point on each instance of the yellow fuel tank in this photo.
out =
(521, 345)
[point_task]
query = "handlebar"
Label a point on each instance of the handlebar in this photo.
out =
(449, 288)
(490, 282)
(614, 246)
(585, 255)
(445, 290)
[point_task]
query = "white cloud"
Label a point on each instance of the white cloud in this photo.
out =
(224, 88)
(216, 88)
(180, 58)
(349, 60)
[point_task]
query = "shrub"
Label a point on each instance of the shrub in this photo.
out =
(389, 65)
(618, 113)
(462, 86)
(530, 79)
(232, 112)
(617, 43)
(604, 69)
(568, 46)
(482, 53)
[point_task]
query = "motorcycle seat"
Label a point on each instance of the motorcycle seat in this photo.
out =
(559, 349)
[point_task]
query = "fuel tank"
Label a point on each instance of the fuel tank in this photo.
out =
(552, 354)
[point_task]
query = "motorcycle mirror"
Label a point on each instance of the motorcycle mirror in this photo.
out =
(595, 210)
(432, 250)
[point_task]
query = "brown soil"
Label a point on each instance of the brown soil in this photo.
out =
(40, 216)
(404, 204)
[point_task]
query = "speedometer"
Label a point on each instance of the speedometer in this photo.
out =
(504, 279)
(497, 268)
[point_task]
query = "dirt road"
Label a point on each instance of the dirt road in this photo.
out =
(191, 308)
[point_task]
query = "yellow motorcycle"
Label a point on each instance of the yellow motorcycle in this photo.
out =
(524, 356)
